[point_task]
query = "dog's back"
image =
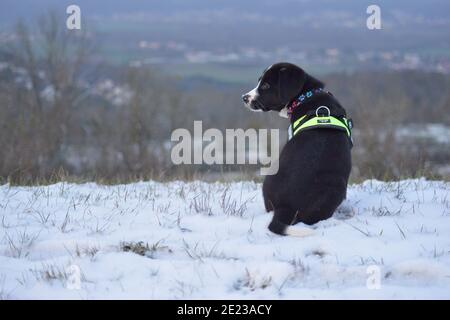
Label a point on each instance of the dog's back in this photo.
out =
(312, 179)
(315, 165)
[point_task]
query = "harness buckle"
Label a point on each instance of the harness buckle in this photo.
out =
(323, 107)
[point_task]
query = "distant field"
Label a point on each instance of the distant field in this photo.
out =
(218, 72)
(234, 74)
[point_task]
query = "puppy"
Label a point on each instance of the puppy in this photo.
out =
(315, 164)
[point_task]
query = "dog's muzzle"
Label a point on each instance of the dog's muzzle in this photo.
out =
(254, 103)
(246, 98)
(260, 106)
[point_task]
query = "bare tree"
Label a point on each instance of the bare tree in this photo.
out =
(52, 60)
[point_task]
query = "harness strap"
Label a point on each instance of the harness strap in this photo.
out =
(308, 122)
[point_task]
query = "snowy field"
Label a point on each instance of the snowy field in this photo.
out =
(197, 240)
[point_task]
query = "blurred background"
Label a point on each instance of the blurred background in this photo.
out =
(100, 103)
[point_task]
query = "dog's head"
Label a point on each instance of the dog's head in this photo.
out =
(278, 85)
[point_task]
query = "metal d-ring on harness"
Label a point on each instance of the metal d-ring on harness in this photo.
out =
(321, 119)
(323, 107)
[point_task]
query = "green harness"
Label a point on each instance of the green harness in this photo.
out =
(320, 121)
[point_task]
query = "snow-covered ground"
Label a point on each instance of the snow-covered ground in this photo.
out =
(197, 240)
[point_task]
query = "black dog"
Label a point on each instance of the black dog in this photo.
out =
(315, 164)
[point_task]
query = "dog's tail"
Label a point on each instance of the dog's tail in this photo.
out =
(278, 227)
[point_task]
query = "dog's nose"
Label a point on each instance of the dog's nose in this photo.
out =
(246, 98)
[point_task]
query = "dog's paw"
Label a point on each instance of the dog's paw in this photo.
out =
(299, 230)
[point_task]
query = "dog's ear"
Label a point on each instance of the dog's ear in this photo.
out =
(290, 82)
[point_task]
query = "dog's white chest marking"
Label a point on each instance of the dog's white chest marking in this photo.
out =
(283, 113)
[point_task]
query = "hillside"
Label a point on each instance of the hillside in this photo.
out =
(198, 240)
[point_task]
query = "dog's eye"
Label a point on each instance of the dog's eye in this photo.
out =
(265, 86)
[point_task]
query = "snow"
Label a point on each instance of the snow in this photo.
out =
(203, 240)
